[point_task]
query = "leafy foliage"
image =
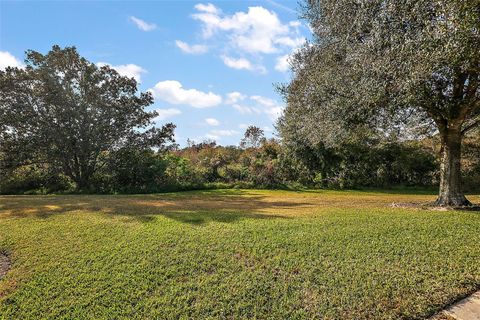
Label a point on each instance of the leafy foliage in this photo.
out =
(253, 137)
(64, 112)
(388, 69)
(69, 126)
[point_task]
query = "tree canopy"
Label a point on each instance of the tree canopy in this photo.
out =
(385, 68)
(252, 138)
(65, 111)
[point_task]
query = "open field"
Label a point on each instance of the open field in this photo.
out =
(234, 254)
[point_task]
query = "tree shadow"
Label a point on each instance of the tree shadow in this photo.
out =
(195, 208)
(386, 190)
(204, 217)
(474, 208)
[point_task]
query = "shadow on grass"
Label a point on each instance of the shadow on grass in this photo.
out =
(203, 217)
(194, 208)
(474, 208)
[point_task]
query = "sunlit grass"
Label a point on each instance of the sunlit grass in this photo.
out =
(235, 254)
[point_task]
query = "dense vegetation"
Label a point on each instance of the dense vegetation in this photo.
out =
(61, 113)
(386, 94)
(268, 165)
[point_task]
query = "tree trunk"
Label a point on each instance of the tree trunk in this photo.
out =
(450, 193)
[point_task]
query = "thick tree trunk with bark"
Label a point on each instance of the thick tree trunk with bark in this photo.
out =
(451, 193)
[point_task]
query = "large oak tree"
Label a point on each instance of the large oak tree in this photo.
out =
(64, 111)
(389, 67)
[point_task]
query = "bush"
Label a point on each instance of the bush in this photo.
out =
(34, 179)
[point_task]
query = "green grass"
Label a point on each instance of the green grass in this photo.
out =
(234, 254)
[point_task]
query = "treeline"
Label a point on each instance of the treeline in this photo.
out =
(67, 125)
(257, 163)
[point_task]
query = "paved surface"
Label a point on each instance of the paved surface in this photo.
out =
(466, 309)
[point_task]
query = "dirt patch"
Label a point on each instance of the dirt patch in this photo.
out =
(432, 206)
(4, 265)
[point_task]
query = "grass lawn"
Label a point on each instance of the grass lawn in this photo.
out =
(234, 254)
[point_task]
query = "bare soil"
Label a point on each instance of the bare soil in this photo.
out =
(432, 206)
(4, 264)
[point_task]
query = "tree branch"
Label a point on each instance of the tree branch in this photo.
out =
(471, 126)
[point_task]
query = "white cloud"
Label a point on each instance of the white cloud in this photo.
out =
(234, 97)
(242, 63)
(212, 122)
(9, 60)
(295, 24)
(209, 8)
(166, 113)
(243, 109)
(143, 25)
(172, 92)
(127, 70)
(256, 31)
(270, 107)
(291, 42)
(260, 105)
(191, 49)
(218, 134)
(210, 136)
(226, 133)
(282, 64)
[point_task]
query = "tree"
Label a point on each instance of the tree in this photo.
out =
(388, 68)
(253, 137)
(65, 111)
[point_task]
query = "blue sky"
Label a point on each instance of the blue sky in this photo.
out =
(210, 65)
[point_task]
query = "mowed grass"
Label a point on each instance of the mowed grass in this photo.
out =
(234, 254)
